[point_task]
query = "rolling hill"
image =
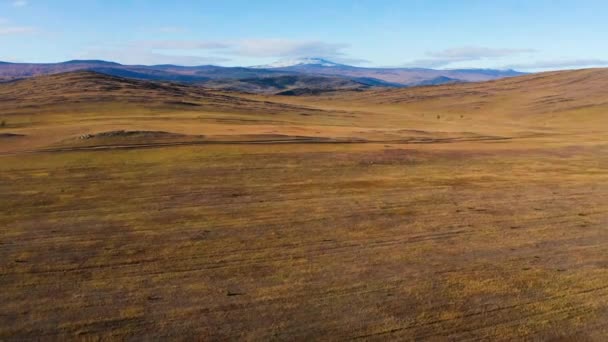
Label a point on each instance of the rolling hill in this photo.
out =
(544, 96)
(532, 104)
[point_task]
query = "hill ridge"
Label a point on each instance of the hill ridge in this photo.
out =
(386, 77)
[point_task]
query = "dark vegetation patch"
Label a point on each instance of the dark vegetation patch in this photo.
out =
(131, 134)
(183, 103)
(11, 135)
(312, 91)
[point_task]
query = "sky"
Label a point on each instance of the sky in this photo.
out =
(528, 35)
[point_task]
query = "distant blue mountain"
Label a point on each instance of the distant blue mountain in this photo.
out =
(313, 66)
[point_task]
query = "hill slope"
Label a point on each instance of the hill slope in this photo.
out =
(46, 110)
(87, 87)
(577, 86)
(562, 100)
(281, 84)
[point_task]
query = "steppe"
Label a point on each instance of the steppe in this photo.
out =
(147, 210)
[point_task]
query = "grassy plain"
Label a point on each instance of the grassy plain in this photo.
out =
(458, 212)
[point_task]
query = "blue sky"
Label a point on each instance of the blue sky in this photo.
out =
(526, 34)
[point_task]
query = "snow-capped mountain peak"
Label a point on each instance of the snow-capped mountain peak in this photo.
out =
(285, 63)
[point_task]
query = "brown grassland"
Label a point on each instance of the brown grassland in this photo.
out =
(139, 210)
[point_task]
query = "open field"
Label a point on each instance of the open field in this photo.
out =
(136, 210)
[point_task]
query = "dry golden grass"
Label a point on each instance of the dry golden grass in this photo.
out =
(352, 216)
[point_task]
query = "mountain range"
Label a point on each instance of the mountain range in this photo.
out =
(297, 76)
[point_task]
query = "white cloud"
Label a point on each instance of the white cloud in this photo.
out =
(431, 62)
(350, 61)
(197, 52)
(287, 48)
(254, 47)
(6, 30)
(20, 3)
(559, 64)
(146, 57)
(181, 45)
(11, 59)
(473, 53)
(443, 58)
